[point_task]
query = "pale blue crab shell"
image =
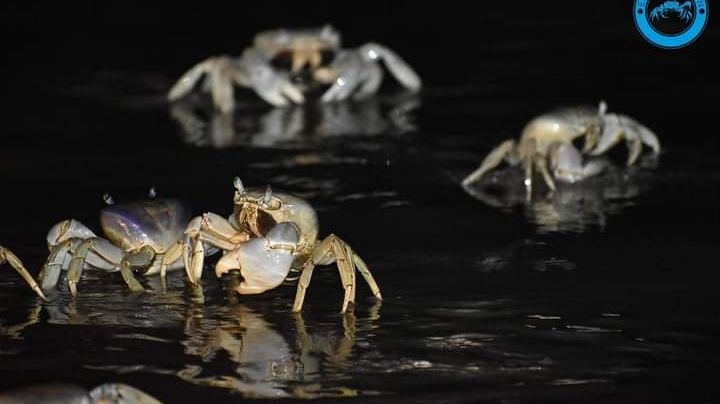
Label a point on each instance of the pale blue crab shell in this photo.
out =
(158, 223)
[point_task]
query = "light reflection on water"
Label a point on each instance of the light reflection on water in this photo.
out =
(201, 125)
(230, 346)
(572, 207)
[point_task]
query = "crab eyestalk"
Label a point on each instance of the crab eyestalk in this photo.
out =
(239, 188)
(264, 263)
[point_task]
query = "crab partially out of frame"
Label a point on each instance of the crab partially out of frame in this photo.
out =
(12, 260)
(546, 145)
(268, 234)
(283, 65)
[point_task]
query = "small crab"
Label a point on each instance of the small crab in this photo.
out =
(546, 145)
(682, 11)
(7, 256)
(71, 393)
(268, 234)
(283, 65)
(144, 236)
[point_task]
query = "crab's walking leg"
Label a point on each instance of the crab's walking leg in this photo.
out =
(303, 284)
(365, 272)
(618, 127)
(374, 76)
(504, 151)
(7, 256)
(334, 250)
(395, 64)
(220, 78)
(343, 260)
(56, 261)
(95, 251)
(541, 163)
(141, 258)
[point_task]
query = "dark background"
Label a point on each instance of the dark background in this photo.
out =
(527, 49)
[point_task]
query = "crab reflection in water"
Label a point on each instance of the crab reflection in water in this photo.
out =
(269, 364)
(207, 127)
(571, 207)
(273, 354)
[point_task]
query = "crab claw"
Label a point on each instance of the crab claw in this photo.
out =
(264, 263)
(567, 164)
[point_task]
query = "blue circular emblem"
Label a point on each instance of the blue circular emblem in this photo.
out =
(671, 24)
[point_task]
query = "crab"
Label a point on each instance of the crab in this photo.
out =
(546, 145)
(268, 234)
(283, 65)
(71, 393)
(144, 236)
(12, 259)
(683, 11)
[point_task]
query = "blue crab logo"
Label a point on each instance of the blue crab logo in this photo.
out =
(671, 24)
(683, 11)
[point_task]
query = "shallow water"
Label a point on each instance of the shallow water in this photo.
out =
(605, 296)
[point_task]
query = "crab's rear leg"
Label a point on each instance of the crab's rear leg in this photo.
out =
(505, 151)
(96, 247)
(7, 256)
(334, 250)
(56, 261)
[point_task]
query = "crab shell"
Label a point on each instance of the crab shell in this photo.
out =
(560, 126)
(275, 41)
(158, 223)
(267, 208)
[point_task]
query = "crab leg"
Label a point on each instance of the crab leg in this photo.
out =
(541, 164)
(220, 79)
(365, 272)
(504, 151)
(7, 256)
(334, 250)
(395, 64)
(303, 284)
(56, 261)
(344, 263)
(173, 254)
(618, 127)
(96, 252)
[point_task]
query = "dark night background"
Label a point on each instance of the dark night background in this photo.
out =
(83, 111)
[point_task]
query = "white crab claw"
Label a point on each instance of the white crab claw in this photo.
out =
(264, 263)
(567, 164)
